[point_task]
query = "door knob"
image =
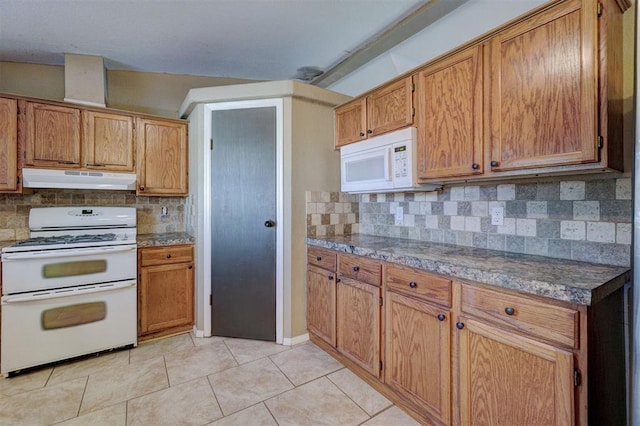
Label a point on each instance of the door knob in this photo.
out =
(269, 224)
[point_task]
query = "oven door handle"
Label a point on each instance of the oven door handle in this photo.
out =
(67, 252)
(78, 291)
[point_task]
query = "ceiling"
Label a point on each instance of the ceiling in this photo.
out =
(252, 39)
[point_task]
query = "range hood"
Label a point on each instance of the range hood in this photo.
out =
(77, 179)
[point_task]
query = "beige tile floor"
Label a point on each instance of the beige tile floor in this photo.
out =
(184, 380)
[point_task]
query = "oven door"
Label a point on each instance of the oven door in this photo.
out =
(49, 269)
(47, 326)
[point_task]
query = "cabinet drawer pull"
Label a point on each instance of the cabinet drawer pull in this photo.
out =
(169, 256)
(509, 310)
(361, 134)
(330, 277)
(142, 188)
(459, 325)
(190, 266)
(441, 317)
(338, 280)
(318, 258)
(494, 163)
(475, 166)
(369, 131)
(413, 284)
(356, 268)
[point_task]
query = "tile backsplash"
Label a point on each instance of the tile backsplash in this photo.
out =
(587, 220)
(14, 209)
(331, 213)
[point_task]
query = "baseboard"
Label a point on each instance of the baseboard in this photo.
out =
(295, 340)
(197, 333)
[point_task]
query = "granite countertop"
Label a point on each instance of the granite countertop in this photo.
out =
(164, 239)
(567, 280)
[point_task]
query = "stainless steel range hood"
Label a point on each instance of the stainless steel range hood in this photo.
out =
(77, 179)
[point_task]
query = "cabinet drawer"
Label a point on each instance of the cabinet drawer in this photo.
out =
(166, 254)
(321, 257)
(532, 317)
(360, 268)
(417, 283)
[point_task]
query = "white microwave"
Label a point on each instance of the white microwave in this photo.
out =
(385, 163)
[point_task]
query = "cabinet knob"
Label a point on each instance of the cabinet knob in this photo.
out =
(413, 284)
(330, 277)
(338, 280)
(369, 131)
(141, 188)
(494, 163)
(475, 166)
(441, 317)
(169, 256)
(459, 325)
(190, 266)
(361, 134)
(356, 268)
(318, 258)
(509, 310)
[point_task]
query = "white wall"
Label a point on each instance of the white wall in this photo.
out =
(465, 23)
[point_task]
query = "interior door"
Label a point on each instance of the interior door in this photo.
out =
(243, 208)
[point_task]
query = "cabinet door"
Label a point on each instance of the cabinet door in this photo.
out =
(165, 297)
(450, 116)
(544, 89)
(351, 121)
(8, 144)
(52, 136)
(321, 304)
(509, 379)
(390, 107)
(358, 323)
(162, 157)
(108, 141)
(417, 353)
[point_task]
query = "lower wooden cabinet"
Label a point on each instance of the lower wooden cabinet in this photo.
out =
(165, 290)
(506, 378)
(417, 353)
(358, 323)
(321, 303)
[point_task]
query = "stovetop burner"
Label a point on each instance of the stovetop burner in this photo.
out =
(66, 239)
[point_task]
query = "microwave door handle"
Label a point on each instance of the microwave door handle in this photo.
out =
(66, 253)
(389, 166)
(98, 288)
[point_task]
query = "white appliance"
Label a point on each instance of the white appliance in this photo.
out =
(71, 288)
(385, 163)
(77, 179)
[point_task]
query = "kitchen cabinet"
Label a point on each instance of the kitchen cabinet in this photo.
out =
(358, 311)
(449, 116)
(52, 135)
(321, 294)
(383, 110)
(165, 290)
(108, 141)
(544, 89)
(417, 338)
(516, 361)
(162, 157)
(9, 181)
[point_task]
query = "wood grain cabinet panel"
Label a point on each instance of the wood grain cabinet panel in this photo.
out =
(390, 107)
(9, 145)
(417, 353)
(351, 122)
(108, 141)
(360, 268)
(544, 89)
(162, 156)
(509, 379)
(165, 292)
(321, 303)
(419, 284)
(449, 116)
(52, 136)
(322, 258)
(358, 323)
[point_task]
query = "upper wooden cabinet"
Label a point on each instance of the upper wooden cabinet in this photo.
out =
(543, 89)
(383, 110)
(162, 157)
(9, 145)
(52, 135)
(450, 116)
(108, 141)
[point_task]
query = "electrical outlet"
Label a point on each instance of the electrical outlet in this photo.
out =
(164, 211)
(399, 216)
(497, 216)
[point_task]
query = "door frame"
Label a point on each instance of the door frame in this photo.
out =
(208, 117)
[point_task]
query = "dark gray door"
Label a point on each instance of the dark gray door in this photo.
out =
(243, 189)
